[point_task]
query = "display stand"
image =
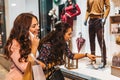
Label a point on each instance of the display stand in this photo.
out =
(70, 64)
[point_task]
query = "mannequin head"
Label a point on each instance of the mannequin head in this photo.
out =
(70, 2)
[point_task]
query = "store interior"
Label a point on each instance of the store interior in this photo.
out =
(11, 8)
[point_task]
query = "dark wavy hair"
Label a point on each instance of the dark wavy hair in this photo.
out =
(73, 3)
(56, 38)
(20, 32)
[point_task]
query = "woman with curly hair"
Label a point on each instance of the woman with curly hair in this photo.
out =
(53, 46)
(21, 44)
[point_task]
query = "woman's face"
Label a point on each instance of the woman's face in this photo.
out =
(34, 28)
(68, 34)
(70, 1)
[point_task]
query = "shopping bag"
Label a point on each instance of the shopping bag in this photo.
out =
(38, 73)
(28, 72)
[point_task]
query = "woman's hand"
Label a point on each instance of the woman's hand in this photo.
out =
(92, 57)
(41, 64)
(34, 43)
(67, 15)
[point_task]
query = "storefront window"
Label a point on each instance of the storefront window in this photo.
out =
(2, 24)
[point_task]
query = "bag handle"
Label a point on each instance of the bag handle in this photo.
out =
(17, 66)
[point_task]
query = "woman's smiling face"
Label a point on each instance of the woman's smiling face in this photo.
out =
(68, 34)
(34, 28)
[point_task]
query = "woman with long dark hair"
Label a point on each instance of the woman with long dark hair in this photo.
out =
(53, 46)
(21, 45)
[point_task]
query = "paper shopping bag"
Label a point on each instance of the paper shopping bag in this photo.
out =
(38, 73)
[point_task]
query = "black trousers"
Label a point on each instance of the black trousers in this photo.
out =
(96, 29)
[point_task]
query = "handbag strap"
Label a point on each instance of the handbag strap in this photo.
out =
(17, 66)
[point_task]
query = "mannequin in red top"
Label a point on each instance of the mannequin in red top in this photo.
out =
(70, 11)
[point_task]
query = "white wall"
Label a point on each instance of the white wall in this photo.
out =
(32, 6)
(14, 7)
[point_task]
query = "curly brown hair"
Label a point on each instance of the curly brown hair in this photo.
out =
(56, 38)
(20, 32)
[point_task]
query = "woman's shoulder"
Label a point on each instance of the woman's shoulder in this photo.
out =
(15, 44)
(15, 41)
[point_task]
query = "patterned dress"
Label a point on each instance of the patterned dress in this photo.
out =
(46, 56)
